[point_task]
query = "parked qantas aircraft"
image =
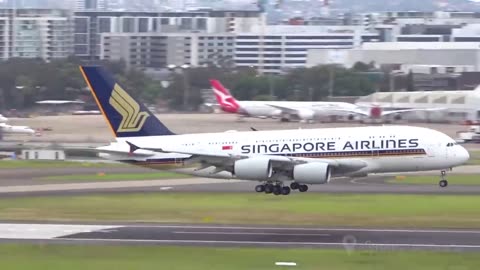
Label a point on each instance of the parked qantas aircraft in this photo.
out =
(273, 158)
(304, 110)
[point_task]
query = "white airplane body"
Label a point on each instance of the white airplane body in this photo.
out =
(3, 119)
(9, 129)
(304, 110)
(298, 157)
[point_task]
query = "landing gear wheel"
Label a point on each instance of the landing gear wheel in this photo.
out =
(260, 188)
(268, 188)
(294, 185)
(443, 183)
(277, 190)
(285, 190)
(303, 188)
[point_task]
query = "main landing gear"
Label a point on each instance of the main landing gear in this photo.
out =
(279, 189)
(443, 182)
(300, 187)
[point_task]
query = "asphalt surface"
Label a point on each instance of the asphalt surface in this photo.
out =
(233, 236)
(29, 182)
(24, 182)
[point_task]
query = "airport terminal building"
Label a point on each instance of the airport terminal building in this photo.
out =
(454, 106)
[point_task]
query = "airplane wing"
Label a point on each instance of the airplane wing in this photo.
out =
(140, 153)
(285, 109)
(320, 109)
(352, 111)
(280, 163)
(385, 113)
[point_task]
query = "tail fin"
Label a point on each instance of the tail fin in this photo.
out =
(126, 116)
(227, 102)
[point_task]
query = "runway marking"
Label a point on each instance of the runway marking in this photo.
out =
(45, 231)
(160, 241)
(309, 229)
(253, 233)
(285, 263)
(114, 185)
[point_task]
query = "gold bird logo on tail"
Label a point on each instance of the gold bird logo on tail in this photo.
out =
(132, 118)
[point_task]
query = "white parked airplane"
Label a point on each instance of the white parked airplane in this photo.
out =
(274, 158)
(304, 110)
(9, 129)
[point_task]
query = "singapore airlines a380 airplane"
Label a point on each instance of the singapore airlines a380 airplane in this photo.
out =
(273, 158)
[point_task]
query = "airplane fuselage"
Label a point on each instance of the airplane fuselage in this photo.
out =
(313, 108)
(383, 148)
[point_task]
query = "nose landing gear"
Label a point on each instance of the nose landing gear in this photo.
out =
(443, 182)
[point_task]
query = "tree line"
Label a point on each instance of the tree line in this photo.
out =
(25, 81)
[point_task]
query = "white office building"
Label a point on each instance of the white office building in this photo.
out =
(446, 54)
(276, 49)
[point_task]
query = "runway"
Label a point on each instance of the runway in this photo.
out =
(234, 236)
(22, 184)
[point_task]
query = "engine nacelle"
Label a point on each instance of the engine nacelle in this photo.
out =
(259, 168)
(312, 173)
(306, 114)
(276, 113)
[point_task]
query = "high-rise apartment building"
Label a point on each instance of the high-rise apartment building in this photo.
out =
(90, 5)
(36, 33)
(89, 25)
(159, 50)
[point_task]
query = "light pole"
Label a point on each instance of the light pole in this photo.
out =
(186, 85)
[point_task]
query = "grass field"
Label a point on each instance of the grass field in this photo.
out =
(458, 179)
(440, 211)
(178, 258)
(114, 177)
(18, 164)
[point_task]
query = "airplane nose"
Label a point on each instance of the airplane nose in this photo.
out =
(463, 154)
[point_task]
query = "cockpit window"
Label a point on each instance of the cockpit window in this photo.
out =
(451, 144)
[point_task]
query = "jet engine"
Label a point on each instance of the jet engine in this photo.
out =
(256, 168)
(306, 114)
(312, 173)
(276, 114)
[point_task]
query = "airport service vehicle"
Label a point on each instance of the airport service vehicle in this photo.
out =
(273, 158)
(472, 135)
(304, 110)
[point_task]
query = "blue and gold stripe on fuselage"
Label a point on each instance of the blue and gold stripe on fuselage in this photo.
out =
(176, 163)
